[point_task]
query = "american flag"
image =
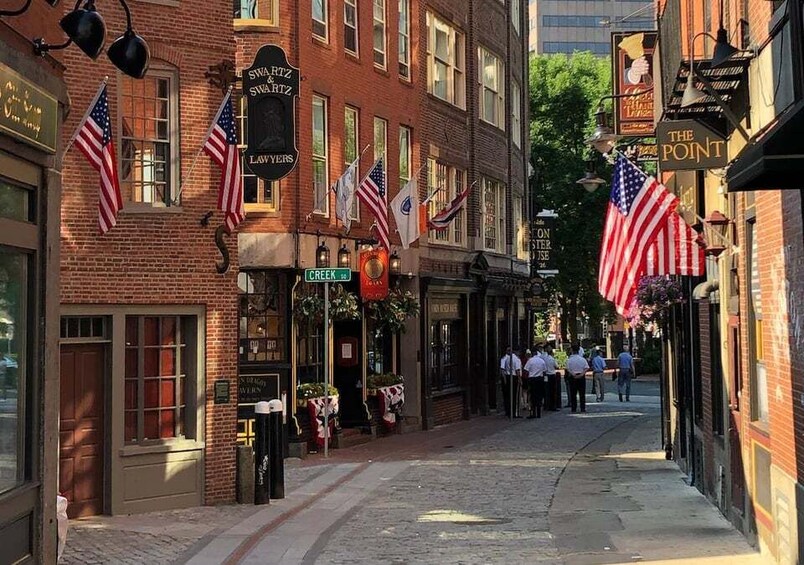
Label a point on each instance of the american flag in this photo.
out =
(94, 139)
(221, 146)
(678, 250)
(637, 212)
(443, 219)
(371, 192)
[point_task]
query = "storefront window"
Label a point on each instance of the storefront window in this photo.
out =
(378, 351)
(13, 285)
(310, 358)
(13, 202)
(263, 328)
(445, 353)
(157, 388)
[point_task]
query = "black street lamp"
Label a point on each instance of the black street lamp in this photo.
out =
(344, 257)
(322, 256)
(591, 181)
(603, 138)
(395, 264)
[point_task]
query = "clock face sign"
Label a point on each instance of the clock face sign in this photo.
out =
(374, 274)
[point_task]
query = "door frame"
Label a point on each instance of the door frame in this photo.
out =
(107, 405)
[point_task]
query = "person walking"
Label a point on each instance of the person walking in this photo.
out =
(510, 372)
(523, 387)
(625, 372)
(598, 370)
(551, 388)
(535, 374)
(577, 367)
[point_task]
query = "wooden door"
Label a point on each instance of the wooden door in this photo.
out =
(81, 433)
(735, 419)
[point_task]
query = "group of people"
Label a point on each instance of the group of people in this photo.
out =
(536, 374)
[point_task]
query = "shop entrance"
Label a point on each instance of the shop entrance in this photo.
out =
(81, 428)
(348, 373)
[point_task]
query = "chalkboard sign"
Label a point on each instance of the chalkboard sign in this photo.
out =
(255, 388)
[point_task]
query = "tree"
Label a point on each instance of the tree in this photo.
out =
(564, 91)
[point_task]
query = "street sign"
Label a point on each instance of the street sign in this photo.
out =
(327, 275)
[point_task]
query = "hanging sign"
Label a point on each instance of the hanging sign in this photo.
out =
(632, 61)
(374, 274)
(688, 145)
(271, 85)
(542, 233)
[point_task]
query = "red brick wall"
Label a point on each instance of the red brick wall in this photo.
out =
(161, 257)
(448, 409)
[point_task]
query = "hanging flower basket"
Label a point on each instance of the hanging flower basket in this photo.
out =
(308, 305)
(392, 312)
(654, 297)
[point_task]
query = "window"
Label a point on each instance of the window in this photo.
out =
(320, 152)
(516, 14)
(759, 377)
(80, 328)
(445, 353)
(445, 62)
(379, 33)
(320, 19)
(159, 377)
(404, 39)
(265, 12)
(13, 332)
(263, 326)
(149, 153)
(351, 151)
(521, 227)
(444, 183)
(516, 114)
(492, 90)
(493, 216)
(405, 136)
(258, 194)
(381, 141)
(350, 42)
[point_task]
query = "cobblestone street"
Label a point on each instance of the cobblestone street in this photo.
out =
(569, 488)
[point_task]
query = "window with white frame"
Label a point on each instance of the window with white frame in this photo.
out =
(404, 39)
(350, 41)
(258, 195)
(492, 90)
(446, 78)
(149, 148)
(444, 183)
(381, 141)
(493, 215)
(320, 27)
(521, 227)
(320, 153)
(260, 12)
(516, 114)
(379, 33)
(516, 14)
(351, 136)
(405, 155)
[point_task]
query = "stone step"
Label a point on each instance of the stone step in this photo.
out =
(349, 437)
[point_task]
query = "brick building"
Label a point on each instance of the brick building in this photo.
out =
(735, 363)
(148, 326)
(35, 103)
(398, 80)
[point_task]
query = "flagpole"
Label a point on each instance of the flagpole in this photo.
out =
(318, 204)
(198, 154)
(104, 82)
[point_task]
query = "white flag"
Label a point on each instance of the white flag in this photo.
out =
(345, 194)
(405, 207)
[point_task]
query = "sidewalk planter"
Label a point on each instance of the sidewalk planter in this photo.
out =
(316, 408)
(391, 400)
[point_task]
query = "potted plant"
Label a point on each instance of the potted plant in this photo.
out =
(392, 312)
(308, 305)
(306, 391)
(373, 382)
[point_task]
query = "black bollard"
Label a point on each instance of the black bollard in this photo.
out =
(262, 439)
(277, 465)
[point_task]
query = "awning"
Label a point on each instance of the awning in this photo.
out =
(775, 158)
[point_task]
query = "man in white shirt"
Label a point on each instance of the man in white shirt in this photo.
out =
(535, 375)
(551, 390)
(510, 366)
(577, 367)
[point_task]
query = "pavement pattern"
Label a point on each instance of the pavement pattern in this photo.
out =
(566, 489)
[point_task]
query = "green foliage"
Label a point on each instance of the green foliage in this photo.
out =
(308, 305)
(313, 390)
(561, 358)
(564, 91)
(651, 363)
(385, 379)
(392, 312)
